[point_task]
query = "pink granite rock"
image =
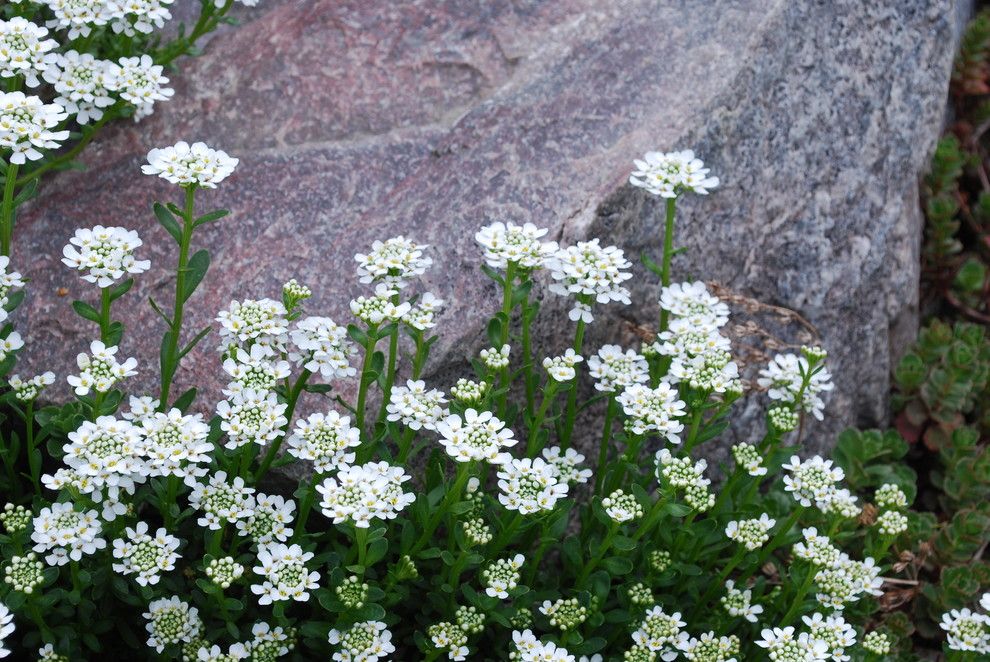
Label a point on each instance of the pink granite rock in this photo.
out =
(356, 120)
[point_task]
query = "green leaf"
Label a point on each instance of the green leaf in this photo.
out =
(121, 289)
(86, 311)
(167, 220)
(211, 217)
(196, 270)
(971, 276)
(183, 401)
(618, 565)
(161, 313)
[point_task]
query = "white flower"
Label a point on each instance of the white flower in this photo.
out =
(658, 629)
(324, 439)
(561, 368)
(784, 376)
(254, 370)
(622, 507)
(139, 16)
(567, 464)
(653, 410)
(361, 493)
(144, 555)
(141, 82)
(846, 581)
(104, 254)
(251, 416)
(749, 458)
(382, 307)
(28, 390)
(141, 407)
(65, 533)
(520, 244)
(285, 574)
(834, 631)
(221, 502)
(496, 358)
(614, 370)
(692, 300)
(190, 165)
(967, 631)
(79, 16)
(589, 273)
(416, 407)
(985, 601)
(478, 436)
(680, 472)
(672, 173)
(783, 644)
(109, 451)
(422, 316)
(83, 84)
(502, 575)
(393, 262)
(24, 51)
(530, 485)
(751, 533)
(270, 519)
(817, 549)
(6, 628)
(889, 495)
(709, 648)
(26, 125)
(11, 343)
(214, 653)
(9, 281)
(739, 602)
(172, 621)
(268, 643)
(368, 641)
(254, 322)
(176, 444)
(812, 481)
(322, 346)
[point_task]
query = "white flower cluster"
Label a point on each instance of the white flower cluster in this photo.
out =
(270, 519)
(104, 254)
(324, 440)
(254, 322)
(9, 281)
(530, 485)
(502, 575)
(837, 634)
(394, 262)
(478, 436)
(383, 306)
(739, 602)
(670, 174)
(283, 568)
(684, 474)
(10, 344)
(622, 507)
(172, 621)
(521, 245)
(589, 273)
(469, 391)
(27, 125)
(144, 555)
(105, 454)
(176, 444)
(141, 82)
(749, 458)
(6, 628)
(367, 641)
(653, 410)
(416, 407)
(253, 369)
(568, 464)
(361, 493)
(66, 534)
(321, 346)
(24, 573)
(99, 370)
(251, 416)
(561, 368)
(527, 648)
(615, 370)
(847, 580)
(699, 352)
(220, 501)
(967, 630)
(27, 390)
(224, 571)
(817, 549)
(24, 50)
(83, 84)
(812, 481)
(190, 165)
(659, 629)
(751, 533)
(422, 315)
(496, 358)
(787, 379)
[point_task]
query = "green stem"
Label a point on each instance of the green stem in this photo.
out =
(603, 548)
(361, 540)
(694, 429)
(779, 536)
(802, 592)
(529, 375)
(668, 254)
(105, 315)
(7, 211)
(651, 518)
(364, 383)
(34, 461)
(510, 276)
(393, 351)
(534, 432)
(171, 494)
(603, 446)
(565, 441)
(405, 445)
(719, 583)
(534, 563)
(505, 537)
(170, 360)
(291, 400)
(306, 507)
(65, 157)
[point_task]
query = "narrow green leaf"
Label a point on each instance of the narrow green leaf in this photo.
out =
(168, 222)
(198, 264)
(86, 311)
(211, 217)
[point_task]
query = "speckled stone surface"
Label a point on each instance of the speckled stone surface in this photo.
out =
(355, 121)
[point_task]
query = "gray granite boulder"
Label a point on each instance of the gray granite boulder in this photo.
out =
(356, 120)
